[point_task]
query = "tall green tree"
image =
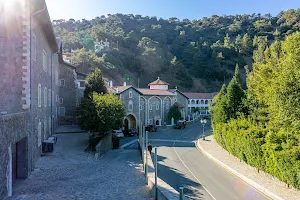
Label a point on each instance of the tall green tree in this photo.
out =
(246, 44)
(237, 74)
(95, 83)
(218, 109)
(174, 113)
(235, 96)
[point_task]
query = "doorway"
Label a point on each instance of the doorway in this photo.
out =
(19, 160)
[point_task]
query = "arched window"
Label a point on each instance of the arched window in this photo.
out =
(197, 102)
(130, 105)
(202, 102)
(206, 101)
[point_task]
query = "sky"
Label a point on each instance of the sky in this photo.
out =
(191, 9)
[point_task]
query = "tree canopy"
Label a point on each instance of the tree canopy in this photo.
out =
(206, 50)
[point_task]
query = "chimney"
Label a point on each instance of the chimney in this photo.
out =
(117, 90)
(124, 84)
(110, 84)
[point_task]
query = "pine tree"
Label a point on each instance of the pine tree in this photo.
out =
(227, 41)
(246, 44)
(235, 95)
(95, 83)
(237, 74)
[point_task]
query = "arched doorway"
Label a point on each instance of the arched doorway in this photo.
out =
(157, 123)
(130, 122)
(126, 124)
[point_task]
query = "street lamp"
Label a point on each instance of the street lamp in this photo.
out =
(203, 122)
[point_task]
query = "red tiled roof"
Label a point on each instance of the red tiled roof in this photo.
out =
(154, 92)
(158, 82)
(192, 95)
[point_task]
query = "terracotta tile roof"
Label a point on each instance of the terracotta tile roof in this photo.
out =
(192, 95)
(154, 92)
(158, 82)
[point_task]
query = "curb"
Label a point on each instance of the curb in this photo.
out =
(239, 175)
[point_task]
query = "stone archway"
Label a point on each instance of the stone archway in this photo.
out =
(130, 122)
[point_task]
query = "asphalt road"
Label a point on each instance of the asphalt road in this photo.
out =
(180, 163)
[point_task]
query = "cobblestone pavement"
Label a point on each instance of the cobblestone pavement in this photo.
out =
(263, 179)
(69, 173)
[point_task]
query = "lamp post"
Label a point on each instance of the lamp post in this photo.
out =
(203, 122)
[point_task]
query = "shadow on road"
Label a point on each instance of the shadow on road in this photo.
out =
(175, 178)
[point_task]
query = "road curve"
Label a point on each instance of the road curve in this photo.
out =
(180, 163)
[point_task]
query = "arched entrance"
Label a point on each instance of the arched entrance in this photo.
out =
(126, 124)
(130, 122)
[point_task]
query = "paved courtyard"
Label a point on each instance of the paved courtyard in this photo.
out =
(70, 173)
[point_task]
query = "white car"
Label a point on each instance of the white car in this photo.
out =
(118, 133)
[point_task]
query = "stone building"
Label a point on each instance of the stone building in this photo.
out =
(149, 105)
(200, 101)
(67, 91)
(29, 84)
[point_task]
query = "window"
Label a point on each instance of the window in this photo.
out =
(49, 121)
(61, 100)
(62, 82)
(33, 47)
(141, 107)
(206, 101)
(39, 95)
(53, 98)
(49, 66)
(39, 133)
(175, 100)
(150, 122)
(130, 106)
(167, 106)
(61, 111)
(49, 98)
(45, 97)
(45, 61)
(157, 106)
(81, 84)
(130, 94)
(45, 128)
(150, 107)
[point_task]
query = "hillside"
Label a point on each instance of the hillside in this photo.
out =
(194, 55)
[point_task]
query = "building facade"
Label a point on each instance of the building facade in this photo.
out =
(29, 82)
(149, 106)
(199, 102)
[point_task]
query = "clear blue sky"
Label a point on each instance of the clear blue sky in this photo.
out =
(191, 9)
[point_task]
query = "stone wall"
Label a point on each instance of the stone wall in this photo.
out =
(104, 145)
(14, 128)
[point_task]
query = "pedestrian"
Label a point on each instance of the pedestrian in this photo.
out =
(149, 148)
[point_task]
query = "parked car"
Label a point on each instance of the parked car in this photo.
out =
(180, 124)
(130, 132)
(118, 133)
(151, 128)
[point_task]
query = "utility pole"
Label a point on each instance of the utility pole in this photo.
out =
(155, 166)
(146, 167)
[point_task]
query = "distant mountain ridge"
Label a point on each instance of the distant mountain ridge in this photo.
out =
(196, 56)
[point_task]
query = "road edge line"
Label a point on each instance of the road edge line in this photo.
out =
(239, 175)
(128, 143)
(187, 166)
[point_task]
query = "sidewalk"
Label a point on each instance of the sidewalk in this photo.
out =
(69, 129)
(262, 181)
(69, 173)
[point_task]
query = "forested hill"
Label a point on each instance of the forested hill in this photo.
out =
(194, 55)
